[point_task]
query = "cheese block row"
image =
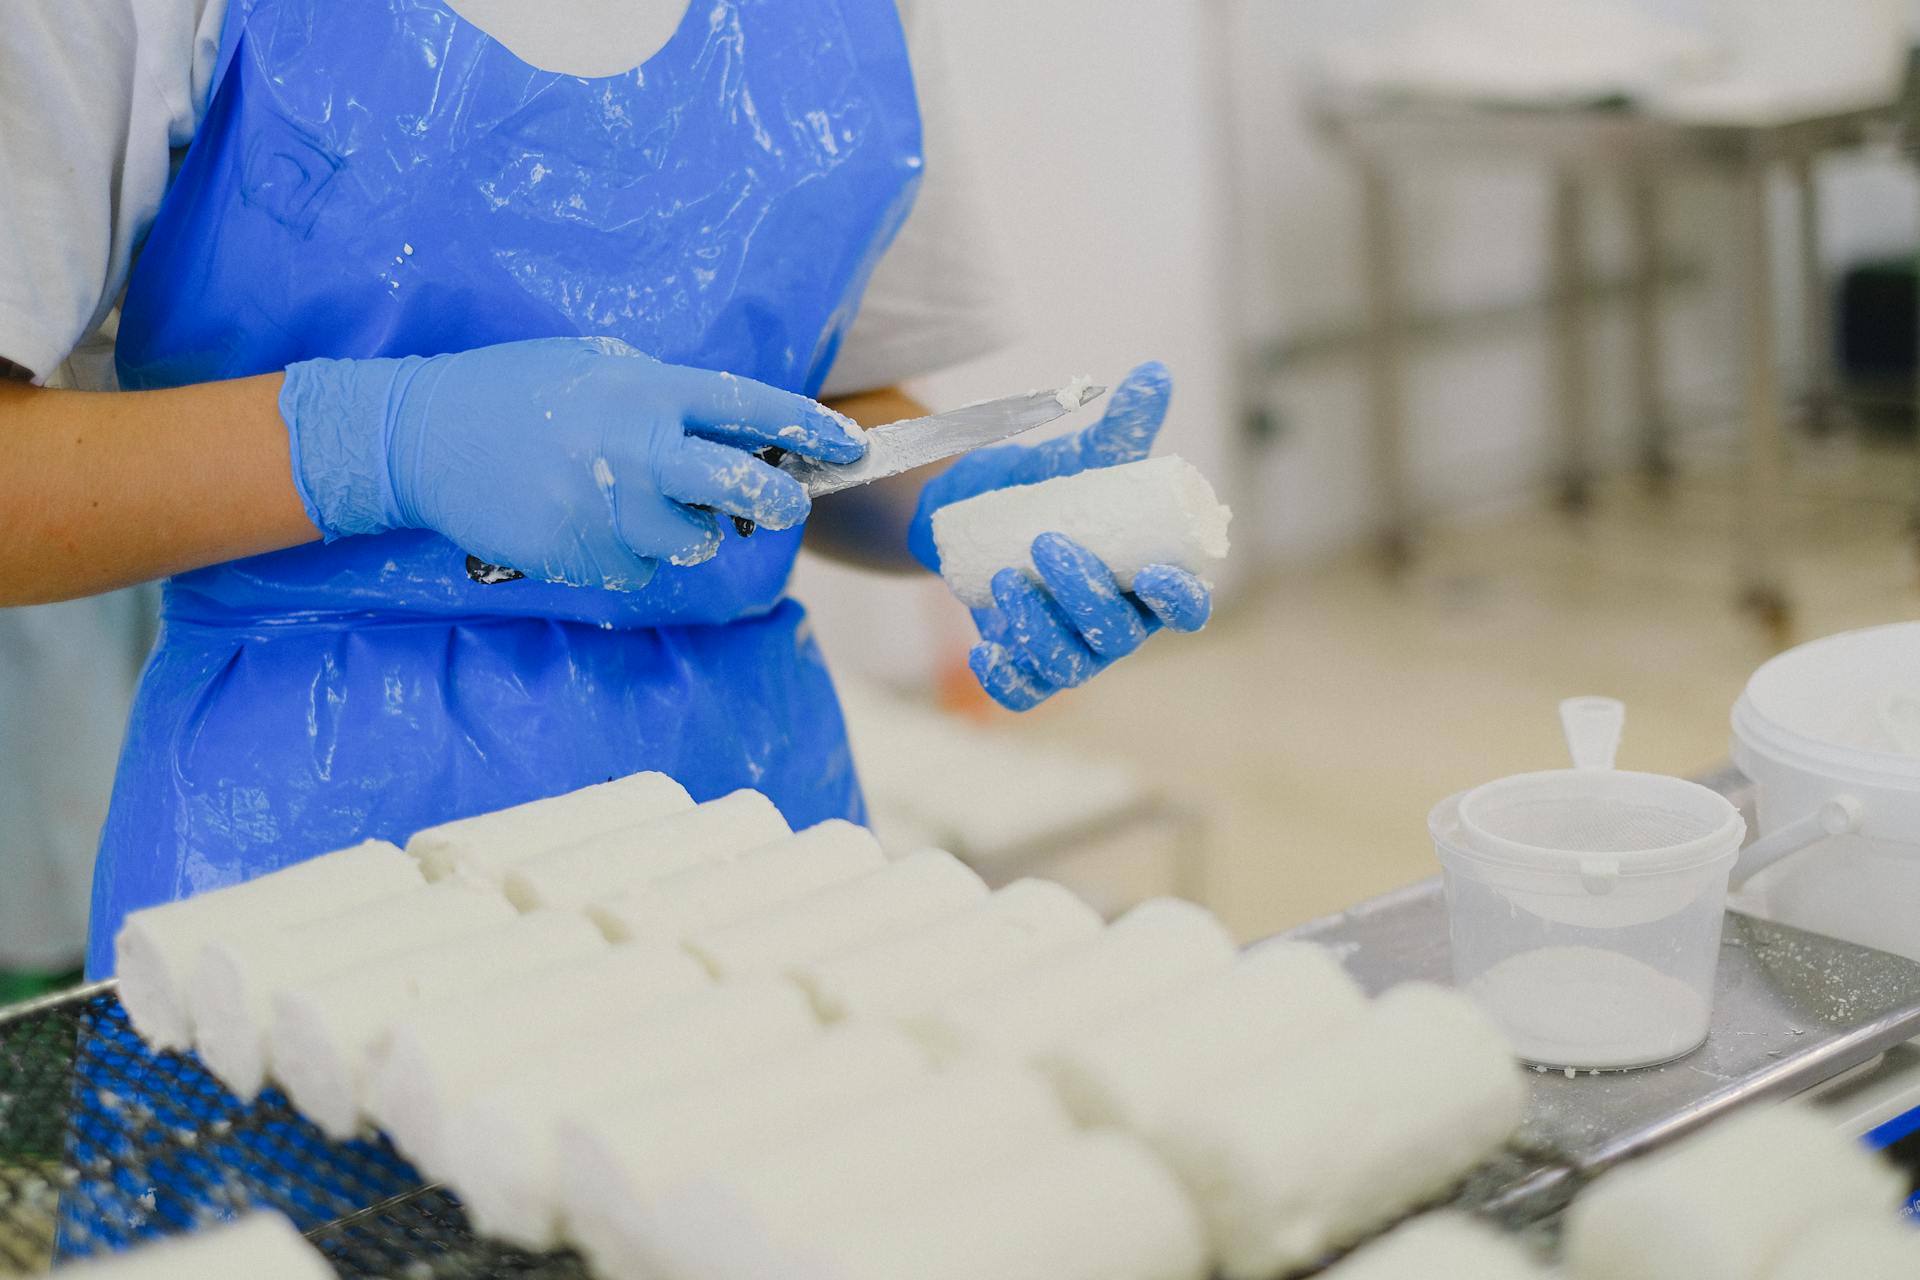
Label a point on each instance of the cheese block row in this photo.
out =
(313, 963)
(570, 1137)
(1217, 1066)
(630, 1039)
(886, 1112)
(158, 950)
(612, 987)
(1155, 1107)
(1776, 1194)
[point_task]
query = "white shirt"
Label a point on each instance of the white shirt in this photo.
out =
(96, 98)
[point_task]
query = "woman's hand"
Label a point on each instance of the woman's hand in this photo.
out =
(574, 460)
(1075, 622)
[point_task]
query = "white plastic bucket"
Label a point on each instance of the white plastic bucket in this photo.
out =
(1831, 728)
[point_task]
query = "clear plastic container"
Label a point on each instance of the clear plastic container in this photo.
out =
(1585, 908)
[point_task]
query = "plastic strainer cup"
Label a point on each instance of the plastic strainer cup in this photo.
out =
(1585, 906)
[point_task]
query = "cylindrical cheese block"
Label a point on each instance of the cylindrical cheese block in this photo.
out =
(156, 949)
(443, 1056)
(1727, 1204)
(746, 1219)
(1089, 1206)
(903, 976)
(1274, 1158)
(324, 1032)
(1156, 511)
(234, 983)
(599, 867)
(704, 897)
(483, 847)
(1158, 945)
(502, 1159)
(617, 1160)
(908, 894)
(1128, 1073)
(256, 1247)
(1866, 1247)
(1440, 1246)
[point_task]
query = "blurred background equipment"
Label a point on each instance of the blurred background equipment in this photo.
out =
(1011, 807)
(1608, 95)
(1593, 316)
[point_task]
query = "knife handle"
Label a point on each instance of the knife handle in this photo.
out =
(487, 574)
(744, 525)
(741, 524)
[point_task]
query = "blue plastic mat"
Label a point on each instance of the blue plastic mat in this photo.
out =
(104, 1144)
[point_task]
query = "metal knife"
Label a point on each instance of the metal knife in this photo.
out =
(899, 447)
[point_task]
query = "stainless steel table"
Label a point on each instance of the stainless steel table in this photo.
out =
(1791, 1011)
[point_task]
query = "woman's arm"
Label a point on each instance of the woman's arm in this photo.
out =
(100, 490)
(867, 527)
(573, 459)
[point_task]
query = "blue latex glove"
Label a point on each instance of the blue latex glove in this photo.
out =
(575, 460)
(1041, 637)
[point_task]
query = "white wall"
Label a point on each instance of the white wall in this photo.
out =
(1092, 130)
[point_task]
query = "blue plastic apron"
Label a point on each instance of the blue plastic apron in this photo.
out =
(382, 178)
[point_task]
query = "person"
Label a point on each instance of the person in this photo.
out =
(439, 285)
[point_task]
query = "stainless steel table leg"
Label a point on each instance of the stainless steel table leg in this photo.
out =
(1643, 208)
(1386, 363)
(1762, 588)
(1815, 304)
(1913, 511)
(1570, 356)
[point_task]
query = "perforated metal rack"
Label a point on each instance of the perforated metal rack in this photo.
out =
(103, 1143)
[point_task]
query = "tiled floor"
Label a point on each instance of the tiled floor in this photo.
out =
(1321, 716)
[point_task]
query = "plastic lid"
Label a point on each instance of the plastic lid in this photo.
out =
(1846, 706)
(1598, 822)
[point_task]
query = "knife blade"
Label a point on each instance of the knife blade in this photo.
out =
(898, 447)
(912, 443)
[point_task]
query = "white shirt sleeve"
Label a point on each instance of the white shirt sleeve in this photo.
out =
(937, 298)
(94, 97)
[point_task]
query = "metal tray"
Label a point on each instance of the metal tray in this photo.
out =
(103, 1143)
(1791, 1010)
